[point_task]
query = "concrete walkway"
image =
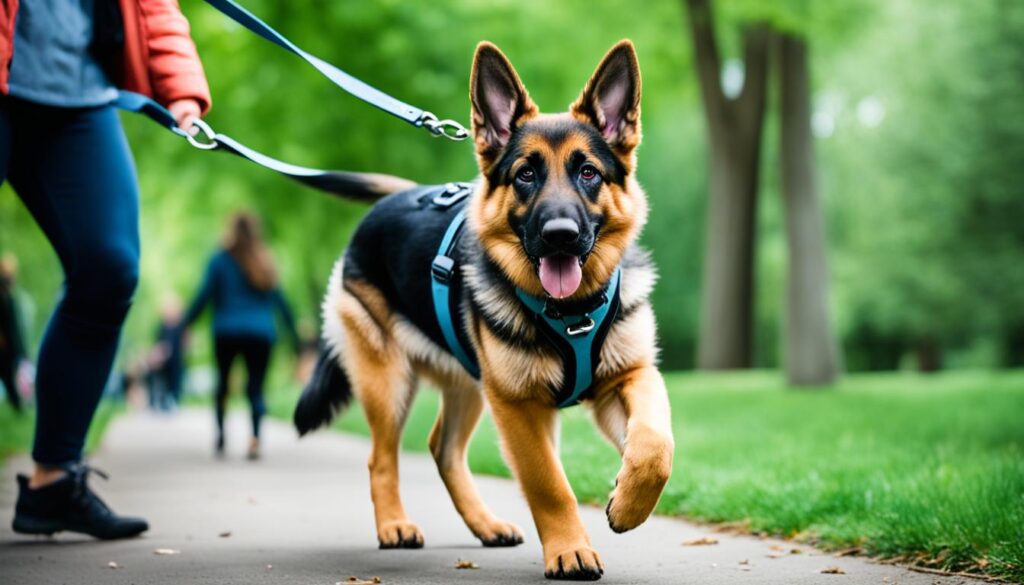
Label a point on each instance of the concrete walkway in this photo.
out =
(303, 515)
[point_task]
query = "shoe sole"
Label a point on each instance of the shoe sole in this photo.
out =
(31, 525)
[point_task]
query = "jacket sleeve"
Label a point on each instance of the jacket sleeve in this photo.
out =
(202, 296)
(287, 317)
(175, 71)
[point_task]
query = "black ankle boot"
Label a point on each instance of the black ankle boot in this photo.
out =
(69, 504)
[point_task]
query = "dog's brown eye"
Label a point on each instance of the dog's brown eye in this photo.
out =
(525, 175)
(588, 173)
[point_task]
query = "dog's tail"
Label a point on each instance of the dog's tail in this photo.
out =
(361, 187)
(329, 390)
(327, 394)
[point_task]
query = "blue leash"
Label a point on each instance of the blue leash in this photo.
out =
(317, 178)
(371, 95)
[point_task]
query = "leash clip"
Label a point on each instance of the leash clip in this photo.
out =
(205, 130)
(450, 129)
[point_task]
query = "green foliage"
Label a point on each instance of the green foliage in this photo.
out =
(16, 429)
(923, 209)
(897, 464)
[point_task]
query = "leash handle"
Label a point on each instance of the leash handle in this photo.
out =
(449, 129)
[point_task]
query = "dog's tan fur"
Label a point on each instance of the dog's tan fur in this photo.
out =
(384, 355)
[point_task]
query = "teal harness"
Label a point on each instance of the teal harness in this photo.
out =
(577, 338)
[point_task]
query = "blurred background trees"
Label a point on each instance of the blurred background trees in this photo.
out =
(916, 124)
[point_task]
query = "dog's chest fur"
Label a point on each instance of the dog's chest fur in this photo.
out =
(513, 353)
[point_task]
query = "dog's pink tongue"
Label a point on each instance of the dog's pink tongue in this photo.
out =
(560, 275)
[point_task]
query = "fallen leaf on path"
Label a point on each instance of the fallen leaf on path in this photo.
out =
(833, 571)
(461, 564)
(795, 551)
(777, 547)
(113, 565)
(225, 534)
(703, 541)
(846, 552)
(166, 551)
(358, 581)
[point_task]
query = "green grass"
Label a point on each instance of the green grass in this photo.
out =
(924, 468)
(16, 429)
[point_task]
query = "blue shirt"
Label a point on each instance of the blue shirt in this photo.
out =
(53, 63)
(239, 309)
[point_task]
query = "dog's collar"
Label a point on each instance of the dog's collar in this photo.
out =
(577, 318)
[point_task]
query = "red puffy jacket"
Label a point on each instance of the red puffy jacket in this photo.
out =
(159, 60)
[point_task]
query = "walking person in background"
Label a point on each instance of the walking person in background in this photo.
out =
(167, 359)
(12, 344)
(242, 285)
(63, 150)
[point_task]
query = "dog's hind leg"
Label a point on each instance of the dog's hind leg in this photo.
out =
(461, 407)
(382, 380)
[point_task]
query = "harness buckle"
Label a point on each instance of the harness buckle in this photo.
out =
(452, 194)
(582, 327)
(442, 268)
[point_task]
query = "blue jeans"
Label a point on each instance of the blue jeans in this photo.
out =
(73, 170)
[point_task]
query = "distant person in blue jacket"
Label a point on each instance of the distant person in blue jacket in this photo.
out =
(242, 285)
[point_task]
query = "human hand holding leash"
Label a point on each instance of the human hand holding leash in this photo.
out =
(185, 112)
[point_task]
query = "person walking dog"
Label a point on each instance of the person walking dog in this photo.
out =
(242, 285)
(65, 154)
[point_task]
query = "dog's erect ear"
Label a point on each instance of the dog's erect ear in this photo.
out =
(611, 99)
(500, 101)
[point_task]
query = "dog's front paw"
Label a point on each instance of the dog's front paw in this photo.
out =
(639, 484)
(399, 534)
(498, 533)
(575, 564)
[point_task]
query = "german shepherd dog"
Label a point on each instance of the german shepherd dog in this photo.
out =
(555, 211)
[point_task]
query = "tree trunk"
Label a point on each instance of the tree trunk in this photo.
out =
(735, 128)
(929, 355)
(811, 352)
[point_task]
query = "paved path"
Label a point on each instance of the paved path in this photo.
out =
(303, 515)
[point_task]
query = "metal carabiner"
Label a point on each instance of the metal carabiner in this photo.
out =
(205, 130)
(450, 129)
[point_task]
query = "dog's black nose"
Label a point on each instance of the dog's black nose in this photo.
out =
(560, 232)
